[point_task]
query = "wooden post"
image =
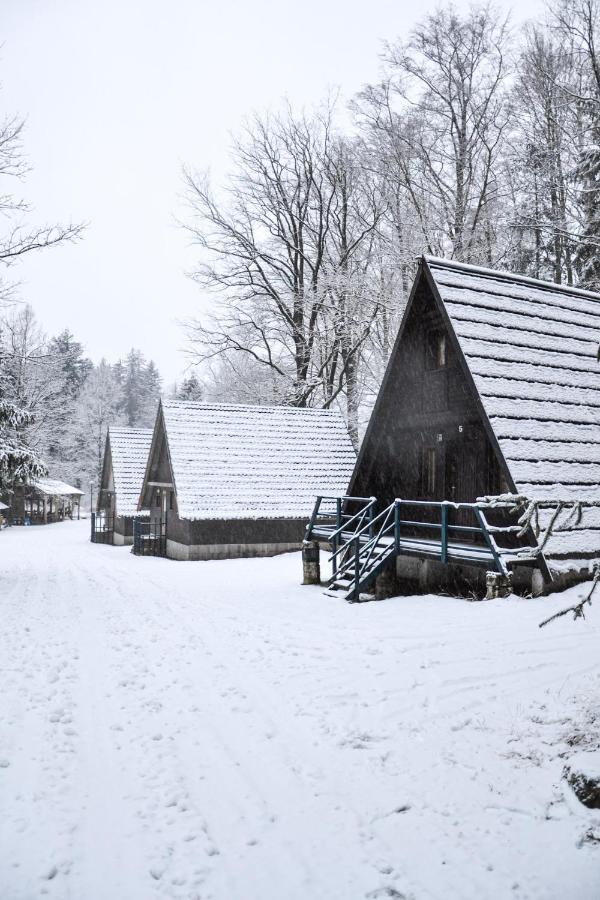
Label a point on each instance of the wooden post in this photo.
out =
(45, 513)
(338, 510)
(356, 567)
(444, 553)
(311, 568)
(397, 526)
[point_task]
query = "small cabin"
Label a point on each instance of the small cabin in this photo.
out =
(228, 481)
(43, 501)
(492, 388)
(125, 457)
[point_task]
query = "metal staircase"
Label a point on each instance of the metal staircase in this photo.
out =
(364, 542)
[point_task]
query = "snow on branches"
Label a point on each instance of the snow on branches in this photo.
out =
(578, 608)
(529, 515)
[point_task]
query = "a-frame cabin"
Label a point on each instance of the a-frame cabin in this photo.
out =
(226, 480)
(492, 387)
(125, 457)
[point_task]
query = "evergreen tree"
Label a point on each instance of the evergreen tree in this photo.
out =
(151, 395)
(75, 365)
(133, 387)
(140, 387)
(190, 389)
(588, 255)
(18, 462)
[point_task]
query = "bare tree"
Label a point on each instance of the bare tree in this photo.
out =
(544, 148)
(34, 376)
(438, 119)
(287, 248)
(20, 236)
(578, 25)
(17, 459)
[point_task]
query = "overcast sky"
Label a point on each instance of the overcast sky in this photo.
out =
(118, 95)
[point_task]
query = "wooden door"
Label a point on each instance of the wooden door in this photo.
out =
(464, 469)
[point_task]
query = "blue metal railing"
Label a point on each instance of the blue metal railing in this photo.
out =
(362, 541)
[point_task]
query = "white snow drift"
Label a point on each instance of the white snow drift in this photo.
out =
(215, 730)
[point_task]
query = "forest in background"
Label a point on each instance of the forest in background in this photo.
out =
(480, 143)
(70, 400)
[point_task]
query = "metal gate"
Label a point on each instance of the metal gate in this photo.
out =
(149, 537)
(103, 528)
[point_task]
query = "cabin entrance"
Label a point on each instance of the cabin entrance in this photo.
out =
(464, 476)
(454, 468)
(464, 463)
(103, 527)
(149, 537)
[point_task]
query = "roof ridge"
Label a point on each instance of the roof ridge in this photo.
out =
(130, 429)
(250, 407)
(507, 275)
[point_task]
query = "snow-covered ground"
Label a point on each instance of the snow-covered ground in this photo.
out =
(216, 730)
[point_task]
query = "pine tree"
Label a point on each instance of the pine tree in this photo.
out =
(588, 256)
(190, 389)
(133, 387)
(150, 396)
(75, 366)
(18, 462)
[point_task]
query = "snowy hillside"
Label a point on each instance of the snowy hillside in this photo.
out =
(216, 730)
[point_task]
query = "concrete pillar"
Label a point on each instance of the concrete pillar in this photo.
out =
(311, 567)
(497, 585)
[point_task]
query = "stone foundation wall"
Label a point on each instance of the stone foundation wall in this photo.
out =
(421, 576)
(176, 550)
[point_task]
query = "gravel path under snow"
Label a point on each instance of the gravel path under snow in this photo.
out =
(216, 730)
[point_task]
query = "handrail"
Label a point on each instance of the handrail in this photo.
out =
(450, 504)
(345, 497)
(360, 514)
(369, 546)
(365, 556)
(340, 501)
(361, 543)
(357, 534)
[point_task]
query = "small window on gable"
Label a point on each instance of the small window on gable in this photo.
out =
(436, 350)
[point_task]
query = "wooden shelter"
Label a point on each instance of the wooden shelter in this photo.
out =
(43, 501)
(492, 388)
(125, 457)
(228, 481)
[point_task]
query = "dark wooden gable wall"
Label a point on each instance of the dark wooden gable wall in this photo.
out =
(103, 500)
(159, 465)
(426, 439)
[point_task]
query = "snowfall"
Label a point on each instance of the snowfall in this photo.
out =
(217, 730)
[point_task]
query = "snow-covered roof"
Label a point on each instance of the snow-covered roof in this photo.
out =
(3, 505)
(531, 347)
(129, 449)
(232, 461)
(51, 487)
